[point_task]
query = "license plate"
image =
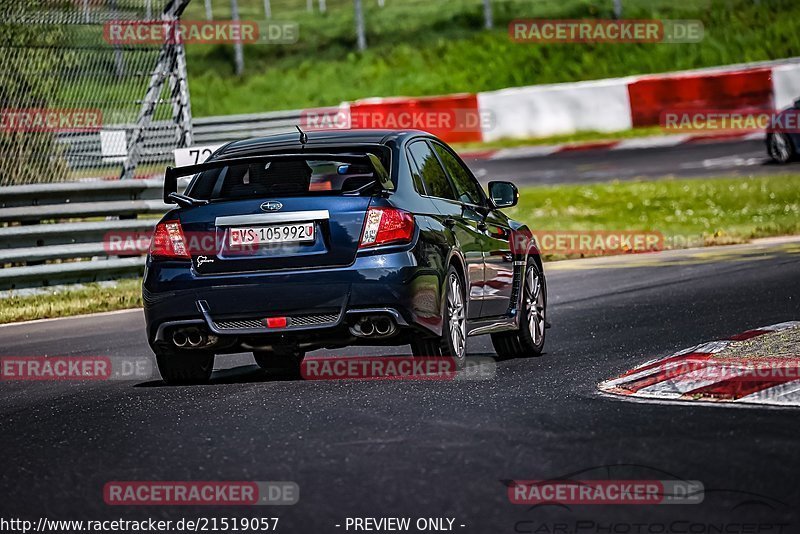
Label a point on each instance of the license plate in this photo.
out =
(275, 233)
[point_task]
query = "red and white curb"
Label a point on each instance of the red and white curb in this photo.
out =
(660, 141)
(695, 374)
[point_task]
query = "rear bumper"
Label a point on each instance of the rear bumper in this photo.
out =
(316, 301)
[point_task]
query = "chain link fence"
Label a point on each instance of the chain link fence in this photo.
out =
(73, 105)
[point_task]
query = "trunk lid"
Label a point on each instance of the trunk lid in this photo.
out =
(220, 235)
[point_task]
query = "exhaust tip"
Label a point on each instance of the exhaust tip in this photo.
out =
(383, 326)
(189, 337)
(195, 338)
(373, 326)
(179, 339)
(366, 327)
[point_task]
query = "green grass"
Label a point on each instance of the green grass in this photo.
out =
(90, 298)
(715, 210)
(577, 137)
(692, 212)
(424, 48)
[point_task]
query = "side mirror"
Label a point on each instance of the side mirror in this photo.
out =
(170, 186)
(503, 194)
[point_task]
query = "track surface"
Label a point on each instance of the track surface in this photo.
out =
(423, 448)
(709, 158)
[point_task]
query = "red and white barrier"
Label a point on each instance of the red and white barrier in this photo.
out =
(601, 105)
(455, 118)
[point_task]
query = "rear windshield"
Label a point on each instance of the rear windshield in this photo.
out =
(282, 178)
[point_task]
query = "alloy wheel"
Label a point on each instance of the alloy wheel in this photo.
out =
(534, 305)
(779, 147)
(456, 316)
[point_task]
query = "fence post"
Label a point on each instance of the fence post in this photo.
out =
(238, 54)
(487, 14)
(618, 9)
(361, 38)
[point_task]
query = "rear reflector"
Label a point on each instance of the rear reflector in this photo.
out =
(387, 226)
(276, 322)
(168, 241)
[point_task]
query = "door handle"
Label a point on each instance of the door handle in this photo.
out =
(449, 222)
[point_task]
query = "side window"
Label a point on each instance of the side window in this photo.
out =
(419, 185)
(469, 192)
(433, 175)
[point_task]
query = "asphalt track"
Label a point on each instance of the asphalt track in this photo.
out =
(432, 448)
(693, 160)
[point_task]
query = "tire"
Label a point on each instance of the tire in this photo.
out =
(281, 362)
(453, 341)
(780, 148)
(179, 367)
(454, 330)
(529, 339)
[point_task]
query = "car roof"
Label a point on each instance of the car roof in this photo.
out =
(318, 139)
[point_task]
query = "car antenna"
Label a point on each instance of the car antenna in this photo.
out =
(303, 136)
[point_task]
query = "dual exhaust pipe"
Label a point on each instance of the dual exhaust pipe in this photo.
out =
(373, 326)
(368, 326)
(191, 338)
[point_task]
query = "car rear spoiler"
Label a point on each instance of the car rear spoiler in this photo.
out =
(173, 173)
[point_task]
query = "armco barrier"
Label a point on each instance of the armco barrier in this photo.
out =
(86, 150)
(54, 233)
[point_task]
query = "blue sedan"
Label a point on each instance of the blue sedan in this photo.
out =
(290, 243)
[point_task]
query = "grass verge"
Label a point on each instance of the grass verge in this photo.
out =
(576, 137)
(419, 48)
(703, 211)
(88, 298)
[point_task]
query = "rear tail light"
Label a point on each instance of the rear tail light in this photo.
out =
(168, 241)
(387, 225)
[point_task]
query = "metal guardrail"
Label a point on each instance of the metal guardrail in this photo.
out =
(86, 150)
(58, 233)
